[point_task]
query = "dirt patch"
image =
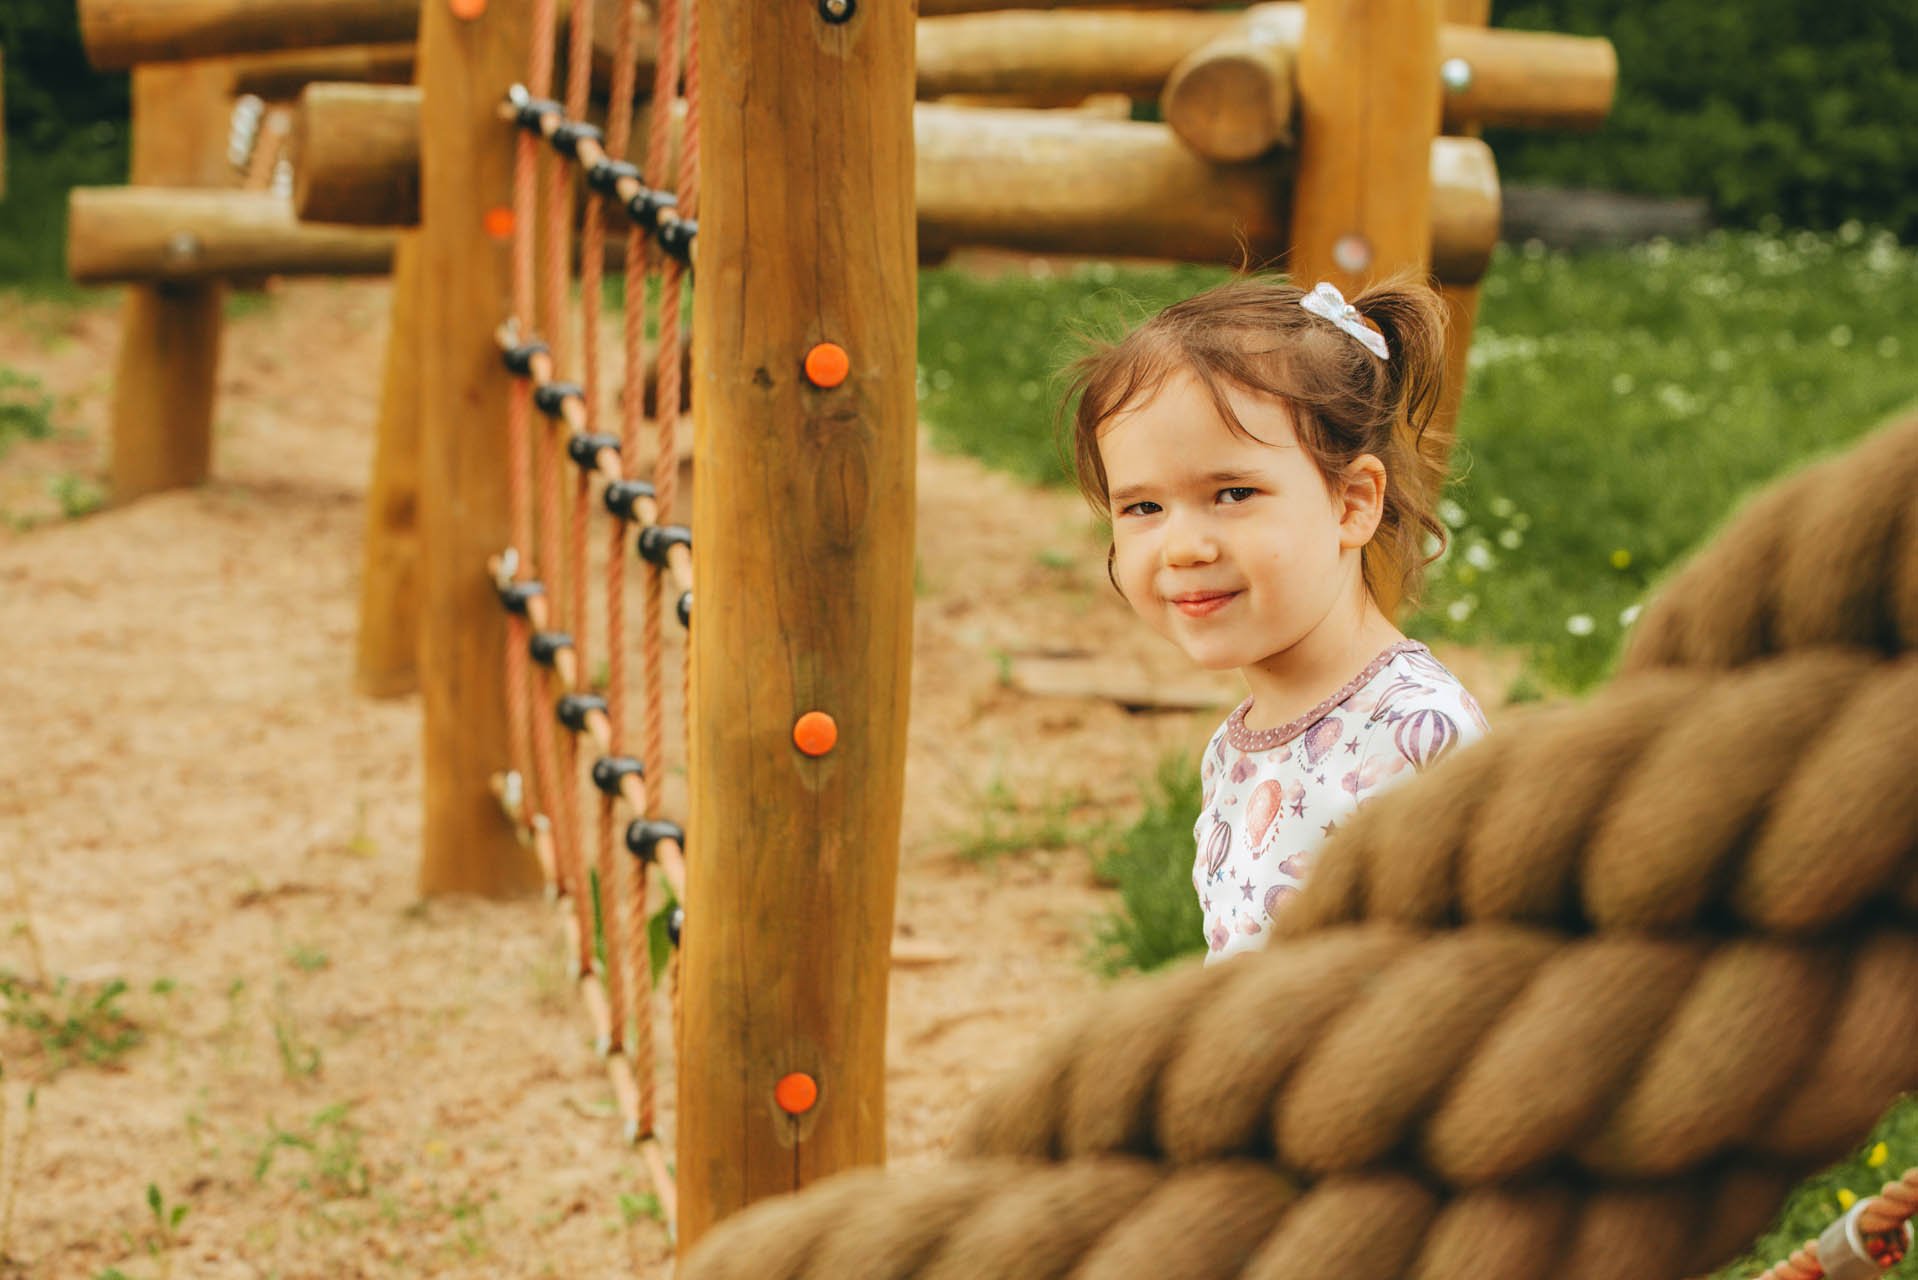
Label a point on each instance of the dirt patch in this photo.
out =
(337, 1079)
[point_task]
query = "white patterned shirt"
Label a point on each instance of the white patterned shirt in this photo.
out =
(1271, 797)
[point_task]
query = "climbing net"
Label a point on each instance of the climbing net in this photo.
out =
(615, 911)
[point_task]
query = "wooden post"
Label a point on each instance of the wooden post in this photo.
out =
(386, 664)
(162, 415)
(1461, 299)
(804, 602)
(1362, 205)
(467, 164)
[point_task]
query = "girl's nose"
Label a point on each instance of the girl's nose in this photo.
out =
(1188, 542)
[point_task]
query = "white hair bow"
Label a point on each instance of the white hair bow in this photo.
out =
(1328, 302)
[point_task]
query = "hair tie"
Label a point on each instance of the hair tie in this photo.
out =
(1328, 302)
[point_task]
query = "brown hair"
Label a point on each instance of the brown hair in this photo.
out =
(1253, 334)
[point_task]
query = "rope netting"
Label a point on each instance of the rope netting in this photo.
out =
(614, 908)
(1586, 999)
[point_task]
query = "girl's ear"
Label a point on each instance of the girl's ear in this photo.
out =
(1361, 501)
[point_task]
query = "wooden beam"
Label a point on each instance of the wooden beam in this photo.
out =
(386, 660)
(1231, 98)
(284, 74)
(1098, 51)
(156, 234)
(120, 33)
(804, 595)
(1042, 181)
(1461, 298)
(169, 359)
(351, 133)
(463, 514)
(931, 7)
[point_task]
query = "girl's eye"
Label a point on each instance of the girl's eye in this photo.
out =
(1237, 494)
(1139, 509)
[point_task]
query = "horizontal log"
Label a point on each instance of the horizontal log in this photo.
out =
(155, 234)
(1099, 51)
(931, 7)
(364, 141)
(284, 74)
(1040, 181)
(1046, 182)
(1227, 98)
(119, 33)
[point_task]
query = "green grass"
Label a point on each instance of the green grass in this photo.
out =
(1621, 404)
(33, 217)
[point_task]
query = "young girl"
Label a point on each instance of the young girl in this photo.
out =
(1261, 454)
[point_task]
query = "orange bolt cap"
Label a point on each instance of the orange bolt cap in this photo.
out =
(815, 733)
(499, 222)
(796, 1093)
(827, 365)
(467, 9)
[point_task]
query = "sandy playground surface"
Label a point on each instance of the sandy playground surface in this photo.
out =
(334, 1077)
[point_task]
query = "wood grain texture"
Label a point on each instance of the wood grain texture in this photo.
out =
(365, 139)
(163, 385)
(119, 33)
(467, 164)
(804, 538)
(387, 655)
(1362, 201)
(186, 235)
(1099, 51)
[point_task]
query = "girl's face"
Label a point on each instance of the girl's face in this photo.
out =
(1233, 548)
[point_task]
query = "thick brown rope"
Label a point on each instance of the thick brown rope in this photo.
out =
(1480, 1055)
(1776, 796)
(1116, 1217)
(1829, 556)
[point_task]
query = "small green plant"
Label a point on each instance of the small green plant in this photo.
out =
(13, 1163)
(1009, 824)
(300, 1058)
(26, 408)
(77, 495)
(1151, 865)
(166, 1228)
(330, 1141)
(307, 959)
(642, 1207)
(71, 1021)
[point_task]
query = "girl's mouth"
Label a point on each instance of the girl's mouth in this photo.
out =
(1201, 604)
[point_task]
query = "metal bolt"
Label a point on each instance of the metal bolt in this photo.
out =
(835, 10)
(1352, 253)
(1456, 75)
(182, 247)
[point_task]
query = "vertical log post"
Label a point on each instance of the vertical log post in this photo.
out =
(466, 158)
(1368, 112)
(162, 414)
(386, 663)
(804, 547)
(1461, 300)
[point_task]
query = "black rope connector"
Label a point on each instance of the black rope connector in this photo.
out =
(584, 449)
(685, 610)
(533, 109)
(644, 208)
(514, 595)
(609, 770)
(606, 175)
(545, 646)
(549, 396)
(656, 540)
(644, 834)
(675, 925)
(571, 133)
(676, 237)
(622, 497)
(575, 707)
(519, 359)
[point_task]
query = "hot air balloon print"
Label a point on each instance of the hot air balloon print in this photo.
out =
(1394, 693)
(1217, 845)
(1321, 738)
(1277, 896)
(1262, 813)
(1424, 736)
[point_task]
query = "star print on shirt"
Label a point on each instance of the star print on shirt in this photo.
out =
(1298, 807)
(1329, 828)
(1352, 747)
(1246, 889)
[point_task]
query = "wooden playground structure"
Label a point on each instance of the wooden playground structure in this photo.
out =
(1333, 138)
